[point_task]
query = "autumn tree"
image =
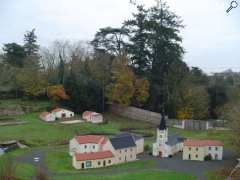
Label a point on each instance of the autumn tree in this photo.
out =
(57, 93)
(125, 87)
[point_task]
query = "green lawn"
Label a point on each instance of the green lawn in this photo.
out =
(39, 133)
(224, 136)
(149, 175)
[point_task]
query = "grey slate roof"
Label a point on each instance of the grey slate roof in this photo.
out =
(123, 142)
(174, 139)
(135, 137)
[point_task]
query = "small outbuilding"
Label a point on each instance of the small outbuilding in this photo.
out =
(92, 117)
(60, 113)
(1, 151)
(46, 116)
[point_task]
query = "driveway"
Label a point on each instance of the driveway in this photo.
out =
(196, 168)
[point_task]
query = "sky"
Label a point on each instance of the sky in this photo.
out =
(211, 37)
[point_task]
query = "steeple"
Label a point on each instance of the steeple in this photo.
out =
(162, 125)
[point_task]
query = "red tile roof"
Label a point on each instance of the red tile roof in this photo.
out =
(195, 142)
(44, 114)
(95, 139)
(57, 110)
(93, 156)
(87, 113)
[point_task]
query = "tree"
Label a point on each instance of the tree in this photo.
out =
(166, 51)
(14, 54)
(57, 93)
(193, 103)
(31, 49)
(125, 88)
(234, 116)
(110, 40)
(32, 83)
(121, 90)
(141, 93)
(137, 47)
(30, 43)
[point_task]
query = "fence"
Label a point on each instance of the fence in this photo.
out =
(136, 113)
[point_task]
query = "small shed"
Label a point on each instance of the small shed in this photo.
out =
(46, 116)
(92, 117)
(60, 113)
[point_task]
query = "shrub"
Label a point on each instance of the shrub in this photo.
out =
(208, 157)
(147, 147)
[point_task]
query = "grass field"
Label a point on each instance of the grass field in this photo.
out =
(149, 175)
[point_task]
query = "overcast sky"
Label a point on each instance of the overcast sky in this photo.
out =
(211, 36)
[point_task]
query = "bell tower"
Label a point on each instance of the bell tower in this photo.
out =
(162, 132)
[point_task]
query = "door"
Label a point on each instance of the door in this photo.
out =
(83, 165)
(104, 163)
(189, 156)
(63, 115)
(160, 154)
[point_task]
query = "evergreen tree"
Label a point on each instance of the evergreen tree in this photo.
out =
(30, 43)
(138, 38)
(14, 54)
(166, 52)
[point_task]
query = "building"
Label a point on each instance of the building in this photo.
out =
(91, 151)
(125, 149)
(60, 113)
(201, 150)
(94, 151)
(165, 145)
(46, 116)
(92, 117)
(139, 141)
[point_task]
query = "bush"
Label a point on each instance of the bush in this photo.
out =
(208, 157)
(147, 147)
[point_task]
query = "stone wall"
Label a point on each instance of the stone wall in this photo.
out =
(10, 112)
(136, 113)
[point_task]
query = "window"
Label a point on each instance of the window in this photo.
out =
(99, 163)
(196, 149)
(130, 156)
(88, 164)
(189, 149)
(85, 146)
(120, 159)
(125, 150)
(120, 151)
(109, 161)
(216, 148)
(196, 156)
(216, 156)
(93, 146)
(210, 148)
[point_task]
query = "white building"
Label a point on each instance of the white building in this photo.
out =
(92, 117)
(46, 116)
(165, 145)
(200, 150)
(60, 113)
(93, 151)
